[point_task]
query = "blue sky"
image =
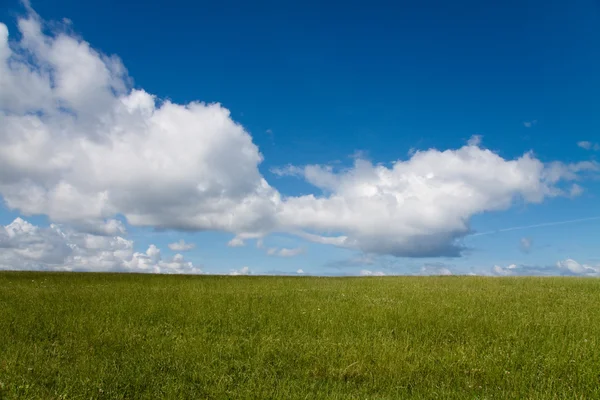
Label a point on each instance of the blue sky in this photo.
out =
(321, 84)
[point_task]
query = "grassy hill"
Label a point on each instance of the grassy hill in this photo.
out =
(119, 336)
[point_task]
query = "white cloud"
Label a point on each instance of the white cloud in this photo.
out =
(80, 146)
(475, 140)
(435, 269)
(575, 190)
(529, 124)
(290, 252)
(284, 252)
(151, 261)
(568, 267)
(24, 246)
(366, 272)
(240, 239)
(181, 245)
(300, 272)
(584, 144)
(422, 206)
(525, 244)
(236, 242)
(77, 144)
(288, 170)
(241, 271)
(504, 271)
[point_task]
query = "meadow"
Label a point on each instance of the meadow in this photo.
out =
(126, 336)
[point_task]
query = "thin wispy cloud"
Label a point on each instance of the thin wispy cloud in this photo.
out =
(284, 252)
(525, 244)
(529, 124)
(518, 228)
(475, 140)
(182, 246)
(586, 145)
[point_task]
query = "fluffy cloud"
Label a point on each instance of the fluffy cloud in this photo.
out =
(435, 269)
(367, 272)
(241, 271)
(507, 271)
(24, 246)
(568, 267)
(421, 206)
(151, 261)
(181, 246)
(572, 267)
(79, 145)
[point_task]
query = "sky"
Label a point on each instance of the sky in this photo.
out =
(300, 138)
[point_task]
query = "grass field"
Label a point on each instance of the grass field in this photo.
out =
(82, 336)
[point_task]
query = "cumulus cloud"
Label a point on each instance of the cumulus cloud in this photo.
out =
(421, 206)
(568, 267)
(525, 244)
(584, 144)
(24, 246)
(79, 145)
(367, 272)
(151, 261)
(181, 245)
(572, 267)
(507, 271)
(435, 269)
(300, 272)
(241, 271)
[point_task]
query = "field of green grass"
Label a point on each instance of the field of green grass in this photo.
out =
(121, 336)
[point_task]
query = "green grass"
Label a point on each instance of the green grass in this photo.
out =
(83, 336)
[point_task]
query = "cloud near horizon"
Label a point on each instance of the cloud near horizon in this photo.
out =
(81, 146)
(24, 246)
(568, 267)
